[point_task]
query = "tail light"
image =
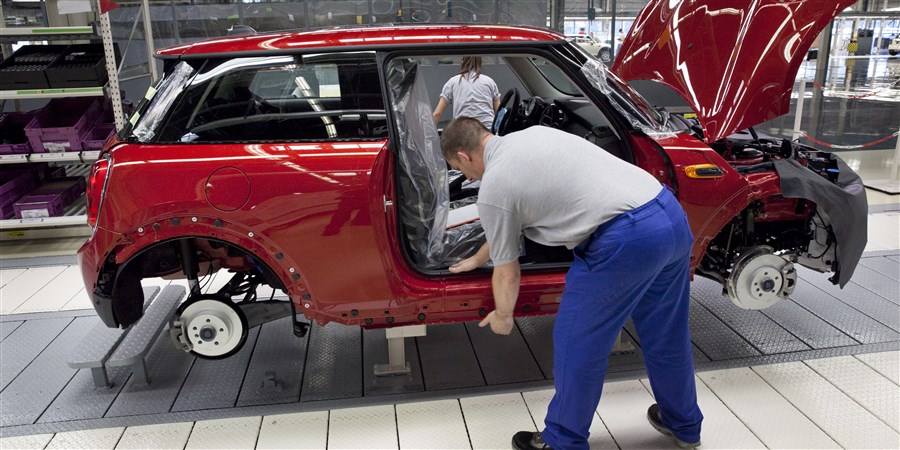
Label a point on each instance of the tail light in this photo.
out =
(96, 183)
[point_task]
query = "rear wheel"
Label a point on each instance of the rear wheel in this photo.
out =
(214, 327)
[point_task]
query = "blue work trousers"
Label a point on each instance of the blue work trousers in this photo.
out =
(636, 265)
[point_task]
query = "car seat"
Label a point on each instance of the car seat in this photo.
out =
(424, 195)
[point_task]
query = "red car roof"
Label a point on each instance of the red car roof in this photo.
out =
(378, 36)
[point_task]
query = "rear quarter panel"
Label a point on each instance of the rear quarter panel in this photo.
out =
(316, 204)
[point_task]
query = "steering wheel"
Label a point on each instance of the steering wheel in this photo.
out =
(505, 114)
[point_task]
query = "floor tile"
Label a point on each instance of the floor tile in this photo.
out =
(844, 420)
(300, 430)
(538, 401)
(721, 428)
(25, 285)
(7, 275)
(239, 432)
(873, 391)
(886, 363)
(623, 408)
(433, 425)
(80, 300)
(35, 441)
(87, 439)
(492, 420)
(55, 294)
(373, 427)
(883, 230)
(160, 436)
(771, 418)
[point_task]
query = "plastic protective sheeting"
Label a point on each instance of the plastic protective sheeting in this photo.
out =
(422, 176)
(844, 202)
(165, 95)
(596, 72)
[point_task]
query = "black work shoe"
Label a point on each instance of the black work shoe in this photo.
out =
(656, 420)
(529, 440)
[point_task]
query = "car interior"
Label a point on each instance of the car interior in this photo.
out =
(536, 93)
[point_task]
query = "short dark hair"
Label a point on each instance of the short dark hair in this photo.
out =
(461, 134)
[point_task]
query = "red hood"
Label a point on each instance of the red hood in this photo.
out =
(734, 61)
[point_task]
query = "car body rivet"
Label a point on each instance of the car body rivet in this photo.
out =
(155, 227)
(389, 320)
(306, 305)
(354, 313)
(421, 317)
(140, 230)
(291, 270)
(193, 219)
(218, 223)
(306, 297)
(369, 321)
(250, 234)
(176, 221)
(279, 255)
(295, 276)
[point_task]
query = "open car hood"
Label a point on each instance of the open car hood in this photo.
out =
(734, 61)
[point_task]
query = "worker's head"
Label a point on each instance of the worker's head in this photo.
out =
(462, 142)
(470, 64)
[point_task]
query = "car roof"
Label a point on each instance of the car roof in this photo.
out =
(363, 38)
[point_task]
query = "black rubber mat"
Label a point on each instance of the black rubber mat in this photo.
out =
(332, 366)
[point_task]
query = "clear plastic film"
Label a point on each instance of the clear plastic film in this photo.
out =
(423, 183)
(629, 103)
(146, 125)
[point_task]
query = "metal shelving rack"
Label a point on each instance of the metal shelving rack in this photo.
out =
(75, 214)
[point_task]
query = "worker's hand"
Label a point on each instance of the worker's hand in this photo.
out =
(500, 324)
(466, 265)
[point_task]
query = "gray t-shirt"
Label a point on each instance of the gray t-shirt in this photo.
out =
(472, 97)
(555, 188)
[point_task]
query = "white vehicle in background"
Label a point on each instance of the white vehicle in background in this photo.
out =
(894, 46)
(592, 46)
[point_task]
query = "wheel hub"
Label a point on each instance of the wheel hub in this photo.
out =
(213, 328)
(760, 279)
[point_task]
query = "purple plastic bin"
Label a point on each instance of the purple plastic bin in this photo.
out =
(68, 188)
(7, 210)
(15, 182)
(97, 137)
(38, 206)
(60, 126)
(12, 132)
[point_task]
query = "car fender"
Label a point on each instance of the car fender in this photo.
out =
(141, 238)
(711, 203)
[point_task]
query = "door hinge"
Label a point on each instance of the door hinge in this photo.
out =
(387, 203)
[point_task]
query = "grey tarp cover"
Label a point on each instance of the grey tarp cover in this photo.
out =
(424, 191)
(844, 202)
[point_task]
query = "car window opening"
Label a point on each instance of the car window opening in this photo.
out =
(437, 209)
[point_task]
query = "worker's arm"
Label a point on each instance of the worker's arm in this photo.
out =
(473, 262)
(496, 105)
(439, 110)
(506, 290)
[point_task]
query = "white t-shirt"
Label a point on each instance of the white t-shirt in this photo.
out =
(555, 188)
(472, 97)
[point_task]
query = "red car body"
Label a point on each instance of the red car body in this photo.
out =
(320, 218)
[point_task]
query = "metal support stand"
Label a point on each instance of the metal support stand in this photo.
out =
(397, 364)
(621, 345)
